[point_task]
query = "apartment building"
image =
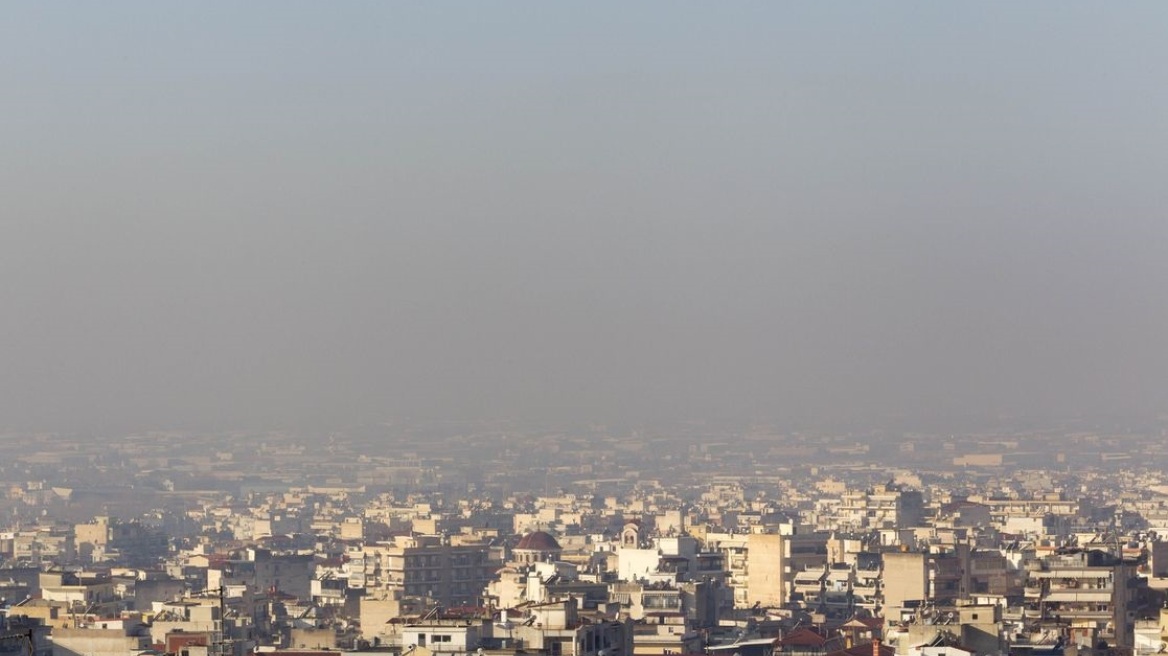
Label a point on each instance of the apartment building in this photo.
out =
(1089, 593)
(883, 506)
(774, 559)
(431, 567)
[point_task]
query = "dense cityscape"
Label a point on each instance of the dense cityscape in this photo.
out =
(649, 328)
(484, 539)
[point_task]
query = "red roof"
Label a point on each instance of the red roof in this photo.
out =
(538, 541)
(864, 649)
(803, 637)
(863, 622)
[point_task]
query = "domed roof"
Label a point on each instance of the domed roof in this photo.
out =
(538, 541)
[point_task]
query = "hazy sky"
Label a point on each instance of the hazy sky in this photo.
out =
(282, 213)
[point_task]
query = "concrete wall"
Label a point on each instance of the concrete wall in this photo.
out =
(764, 570)
(95, 642)
(905, 578)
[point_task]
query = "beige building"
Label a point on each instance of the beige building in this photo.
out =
(375, 613)
(978, 628)
(937, 577)
(774, 559)
(430, 567)
(1089, 591)
(905, 579)
(556, 629)
(96, 642)
(884, 506)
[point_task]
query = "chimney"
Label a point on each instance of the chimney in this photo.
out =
(875, 646)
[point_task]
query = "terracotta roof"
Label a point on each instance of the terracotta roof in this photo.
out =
(803, 637)
(538, 541)
(864, 649)
(863, 623)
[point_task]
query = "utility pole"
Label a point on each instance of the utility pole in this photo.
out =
(222, 618)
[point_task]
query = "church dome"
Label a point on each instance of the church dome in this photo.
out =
(538, 541)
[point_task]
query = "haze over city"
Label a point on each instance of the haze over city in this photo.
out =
(562, 329)
(298, 214)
